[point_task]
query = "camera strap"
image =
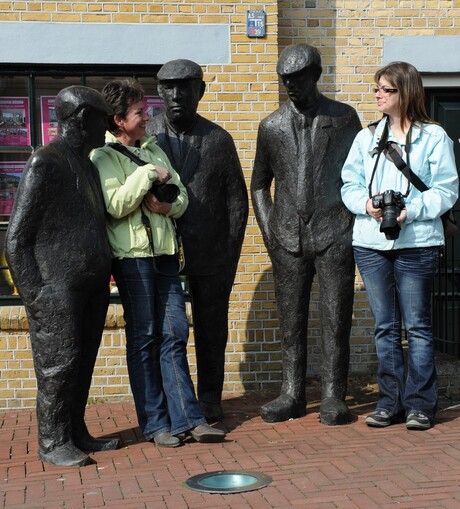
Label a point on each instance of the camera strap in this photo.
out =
(393, 155)
(402, 166)
(119, 147)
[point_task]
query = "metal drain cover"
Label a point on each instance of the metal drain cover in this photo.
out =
(228, 481)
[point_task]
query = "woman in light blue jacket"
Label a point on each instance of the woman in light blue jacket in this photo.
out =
(397, 236)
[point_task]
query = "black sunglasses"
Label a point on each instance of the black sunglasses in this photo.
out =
(385, 90)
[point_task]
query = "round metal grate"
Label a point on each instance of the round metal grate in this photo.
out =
(228, 481)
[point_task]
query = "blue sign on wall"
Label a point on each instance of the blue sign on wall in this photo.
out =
(255, 24)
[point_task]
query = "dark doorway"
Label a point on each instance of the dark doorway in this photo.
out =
(444, 107)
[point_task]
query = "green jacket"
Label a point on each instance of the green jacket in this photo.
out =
(124, 185)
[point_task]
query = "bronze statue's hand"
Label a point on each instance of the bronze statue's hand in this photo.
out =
(154, 205)
(163, 174)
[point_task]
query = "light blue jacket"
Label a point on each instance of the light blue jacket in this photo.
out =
(431, 157)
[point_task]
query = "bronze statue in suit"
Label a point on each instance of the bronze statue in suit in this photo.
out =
(59, 256)
(307, 230)
(213, 226)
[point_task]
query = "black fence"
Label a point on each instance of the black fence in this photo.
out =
(446, 299)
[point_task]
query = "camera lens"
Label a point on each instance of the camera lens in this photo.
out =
(166, 193)
(389, 226)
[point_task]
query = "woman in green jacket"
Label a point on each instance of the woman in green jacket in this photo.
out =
(146, 270)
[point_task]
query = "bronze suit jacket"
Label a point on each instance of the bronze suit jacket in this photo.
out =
(279, 158)
(213, 226)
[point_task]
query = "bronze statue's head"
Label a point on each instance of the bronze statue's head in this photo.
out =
(181, 86)
(299, 66)
(71, 100)
(181, 69)
(82, 115)
(297, 58)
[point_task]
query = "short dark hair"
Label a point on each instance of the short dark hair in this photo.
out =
(120, 95)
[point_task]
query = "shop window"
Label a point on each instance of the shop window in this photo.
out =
(27, 121)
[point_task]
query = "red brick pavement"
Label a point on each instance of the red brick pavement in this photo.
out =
(312, 466)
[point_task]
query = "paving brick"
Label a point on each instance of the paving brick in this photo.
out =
(312, 465)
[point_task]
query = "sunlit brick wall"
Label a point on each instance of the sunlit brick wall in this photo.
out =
(238, 96)
(349, 35)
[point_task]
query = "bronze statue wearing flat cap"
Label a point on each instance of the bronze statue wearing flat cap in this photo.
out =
(212, 227)
(181, 69)
(307, 231)
(297, 58)
(59, 256)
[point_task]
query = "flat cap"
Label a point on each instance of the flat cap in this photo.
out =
(297, 57)
(74, 98)
(180, 69)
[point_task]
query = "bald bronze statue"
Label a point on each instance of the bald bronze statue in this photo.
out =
(307, 230)
(212, 227)
(60, 261)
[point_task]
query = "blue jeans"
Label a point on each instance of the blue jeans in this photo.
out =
(156, 342)
(398, 285)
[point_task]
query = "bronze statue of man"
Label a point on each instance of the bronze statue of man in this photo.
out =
(212, 227)
(58, 253)
(307, 231)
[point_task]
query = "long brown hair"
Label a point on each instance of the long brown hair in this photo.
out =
(408, 81)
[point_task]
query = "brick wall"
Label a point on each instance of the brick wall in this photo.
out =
(349, 35)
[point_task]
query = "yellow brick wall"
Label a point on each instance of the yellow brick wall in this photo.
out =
(238, 96)
(349, 34)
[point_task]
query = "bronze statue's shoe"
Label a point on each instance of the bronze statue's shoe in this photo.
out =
(205, 433)
(283, 408)
(212, 411)
(91, 444)
(66, 455)
(334, 411)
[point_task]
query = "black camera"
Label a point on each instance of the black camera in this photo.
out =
(165, 193)
(391, 203)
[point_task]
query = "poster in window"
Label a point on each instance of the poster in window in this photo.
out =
(49, 120)
(10, 174)
(153, 105)
(14, 121)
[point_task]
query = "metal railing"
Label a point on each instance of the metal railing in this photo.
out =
(446, 299)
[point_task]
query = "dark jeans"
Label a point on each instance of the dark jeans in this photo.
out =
(156, 341)
(398, 285)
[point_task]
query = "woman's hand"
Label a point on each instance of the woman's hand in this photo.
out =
(163, 174)
(155, 205)
(402, 216)
(375, 213)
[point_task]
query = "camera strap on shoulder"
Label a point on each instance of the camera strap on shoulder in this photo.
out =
(119, 147)
(402, 166)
